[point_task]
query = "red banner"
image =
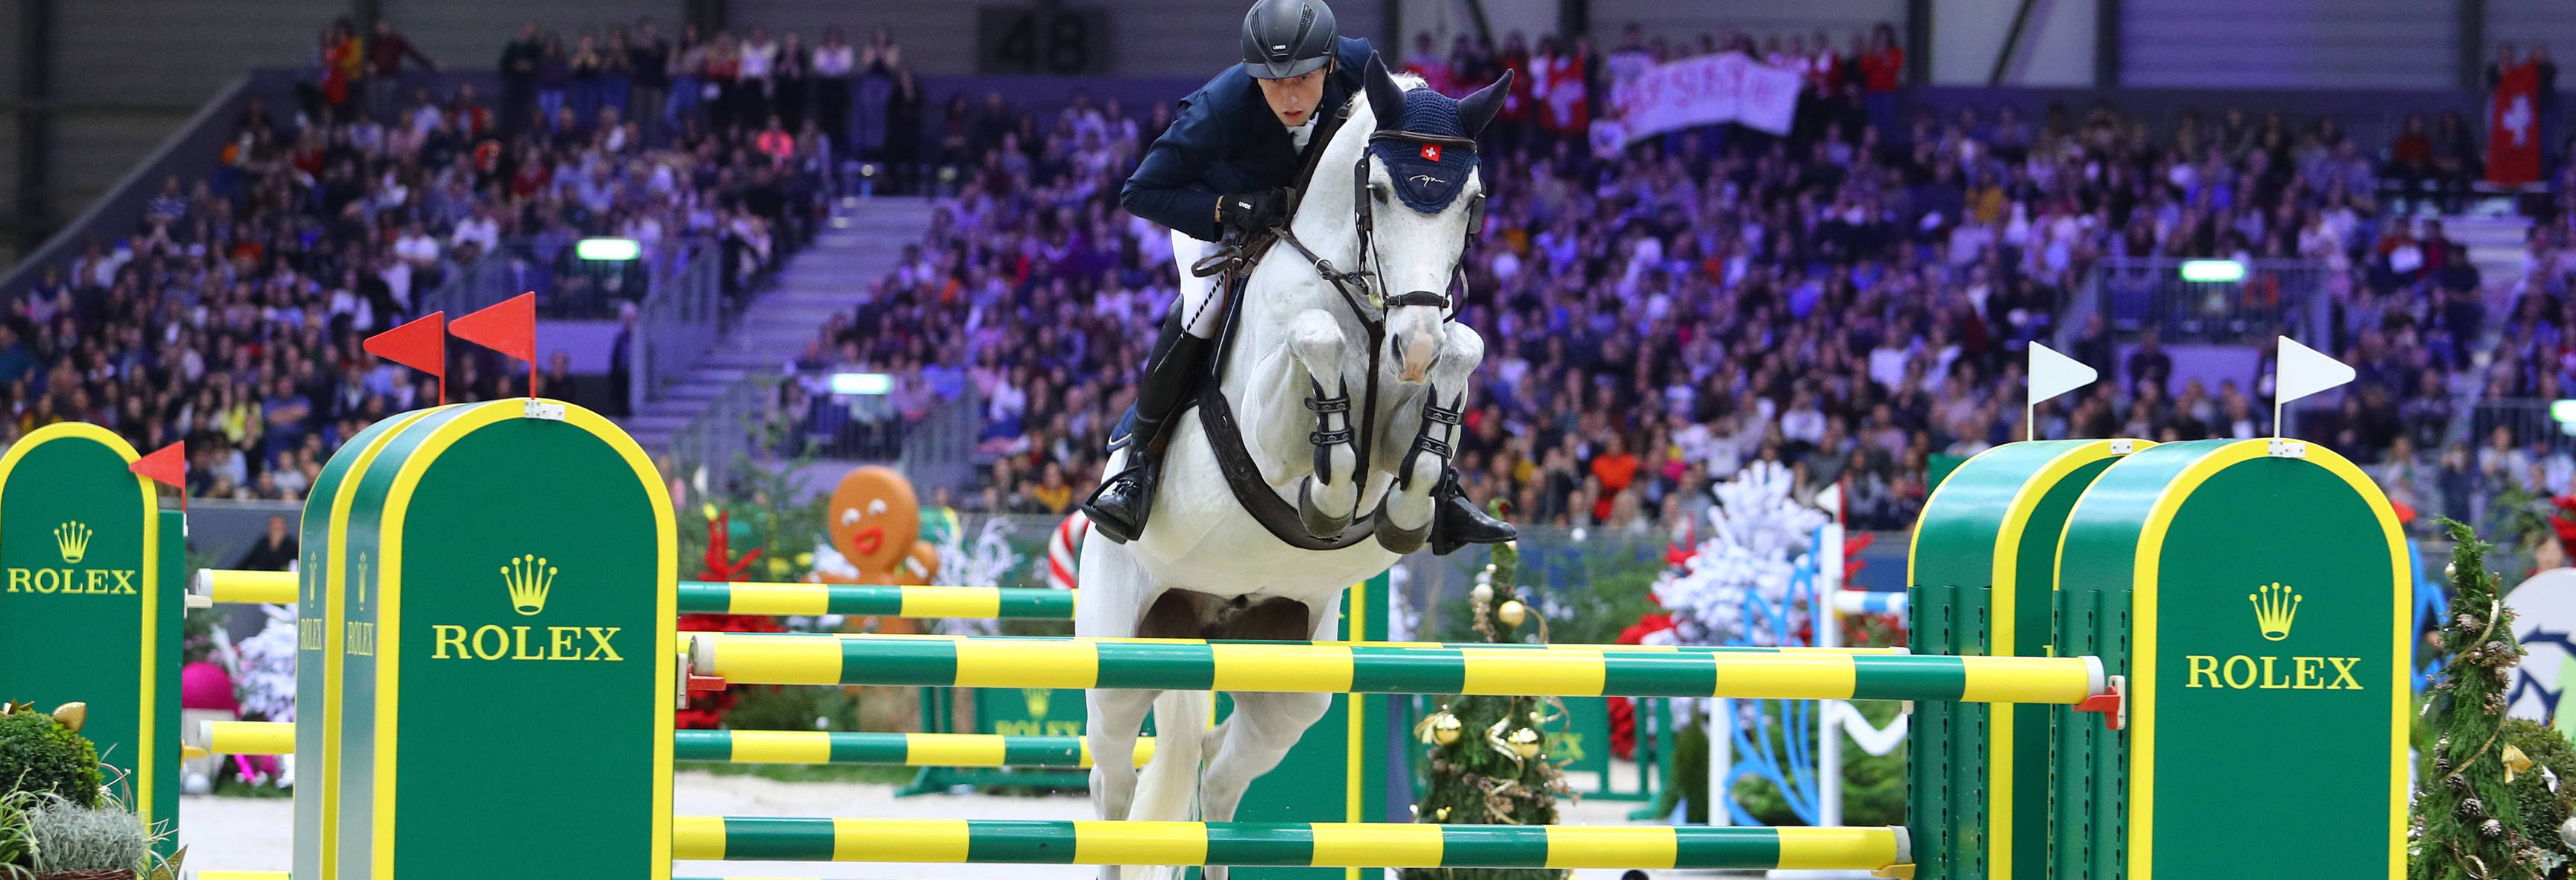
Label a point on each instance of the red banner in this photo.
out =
(2513, 126)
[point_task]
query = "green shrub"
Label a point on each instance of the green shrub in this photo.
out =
(39, 755)
(793, 708)
(70, 837)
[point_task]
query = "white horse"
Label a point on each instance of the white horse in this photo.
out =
(1208, 566)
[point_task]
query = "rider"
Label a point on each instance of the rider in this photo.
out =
(1225, 166)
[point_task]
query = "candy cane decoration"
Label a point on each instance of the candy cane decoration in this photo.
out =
(1061, 548)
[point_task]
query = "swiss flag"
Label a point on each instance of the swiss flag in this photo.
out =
(1431, 152)
(420, 344)
(508, 327)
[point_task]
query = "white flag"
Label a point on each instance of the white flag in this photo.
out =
(2303, 371)
(2052, 374)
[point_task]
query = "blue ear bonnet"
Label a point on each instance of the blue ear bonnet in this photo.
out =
(1428, 176)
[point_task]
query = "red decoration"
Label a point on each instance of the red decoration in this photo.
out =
(1431, 152)
(167, 466)
(508, 327)
(420, 344)
(706, 711)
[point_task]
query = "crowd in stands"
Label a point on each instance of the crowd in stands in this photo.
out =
(233, 317)
(1850, 300)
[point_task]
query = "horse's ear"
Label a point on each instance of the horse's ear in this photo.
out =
(1477, 110)
(1386, 99)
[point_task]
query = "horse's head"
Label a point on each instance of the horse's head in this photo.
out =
(1421, 200)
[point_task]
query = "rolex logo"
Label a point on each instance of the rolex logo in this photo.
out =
(529, 578)
(1037, 699)
(72, 539)
(2275, 608)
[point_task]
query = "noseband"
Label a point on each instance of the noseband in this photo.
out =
(1358, 286)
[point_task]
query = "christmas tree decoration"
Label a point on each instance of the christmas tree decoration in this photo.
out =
(1757, 535)
(1441, 728)
(2471, 825)
(1499, 776)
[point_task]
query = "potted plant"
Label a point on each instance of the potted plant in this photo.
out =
(57, 820)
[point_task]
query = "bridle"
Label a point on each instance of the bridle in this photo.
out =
(1358, 285)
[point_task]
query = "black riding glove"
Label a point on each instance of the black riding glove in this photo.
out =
(1253, 211)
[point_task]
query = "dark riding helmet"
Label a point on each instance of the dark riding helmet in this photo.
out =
(1285, 38)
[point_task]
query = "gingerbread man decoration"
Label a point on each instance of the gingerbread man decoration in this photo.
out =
(875, 524)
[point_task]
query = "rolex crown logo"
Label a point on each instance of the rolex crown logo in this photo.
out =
(1037, 698)
(529, 578)
(2275, 608)
(72, 539)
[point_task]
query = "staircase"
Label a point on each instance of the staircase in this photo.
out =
(858, 245)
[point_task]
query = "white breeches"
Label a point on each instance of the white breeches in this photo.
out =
(1202, 300)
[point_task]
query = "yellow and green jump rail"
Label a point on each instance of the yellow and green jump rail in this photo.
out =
(223, 586)
(1285, 844)
(1363, 667)
(776, 747)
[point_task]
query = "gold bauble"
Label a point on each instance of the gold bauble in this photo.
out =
(1526, 742)
(72, 715)
(1441, 814)
(1512, 613)
(1445, 728)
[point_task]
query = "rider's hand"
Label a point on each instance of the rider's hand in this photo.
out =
(1253, 211)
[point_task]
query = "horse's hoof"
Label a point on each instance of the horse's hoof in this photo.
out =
(1317, 522)
(1399, 540)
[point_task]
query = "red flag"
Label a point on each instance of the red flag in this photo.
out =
(168, 466)
(508, 327)
(2513, 126)
(420, 344)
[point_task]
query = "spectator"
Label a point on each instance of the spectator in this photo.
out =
(276, 550)
(519, 62)
(553, 78)
(648, 60)
(834, 62)
(385, 53)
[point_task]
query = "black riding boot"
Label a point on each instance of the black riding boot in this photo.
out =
(1118, 508)
(1456, 522)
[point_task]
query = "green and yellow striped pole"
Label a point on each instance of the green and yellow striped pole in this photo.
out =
(899, 749)
(776, 747)
(1378, 668)
(214, 586)
(1286, 844)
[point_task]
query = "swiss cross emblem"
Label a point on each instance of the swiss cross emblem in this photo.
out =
(1431, 152)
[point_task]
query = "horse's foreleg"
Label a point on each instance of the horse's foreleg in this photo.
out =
(1429, 436)
(1328, 498)
(1115, 592)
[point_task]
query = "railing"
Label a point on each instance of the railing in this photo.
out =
(733, 431)
(767, 419)
(2529, 420)
(680, 321)
(2136, 294)
(566, 285)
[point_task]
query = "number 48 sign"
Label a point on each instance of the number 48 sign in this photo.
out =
(1042, 40)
